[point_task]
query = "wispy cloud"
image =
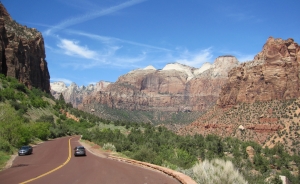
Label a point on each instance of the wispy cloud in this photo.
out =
(85, 58)
(114, 55)
(111, 40)
(66, 81)
(195, 59)
(91, 15)
(108, 61)
(72, 48)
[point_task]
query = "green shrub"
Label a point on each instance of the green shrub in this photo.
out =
(8, 94)
(40, 130)
(109, 146)
(39, 102)
(19, 106)
(145, 155)
(5, 146)
(19, 87)
(12, 128)
(46, 118)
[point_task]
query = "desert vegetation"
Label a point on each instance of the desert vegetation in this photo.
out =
(217, 171)
(29, 116)
(153, 117)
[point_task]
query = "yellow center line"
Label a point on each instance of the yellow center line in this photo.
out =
(42, 175)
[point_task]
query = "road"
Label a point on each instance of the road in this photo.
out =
(53, 162)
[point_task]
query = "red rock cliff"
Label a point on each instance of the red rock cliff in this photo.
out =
(273, 74)
(175, 88)
(22, 53)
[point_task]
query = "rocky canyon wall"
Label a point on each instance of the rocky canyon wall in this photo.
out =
(22, 53)
(273, 74)
(175, 88)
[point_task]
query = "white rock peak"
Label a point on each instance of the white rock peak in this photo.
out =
(182, 68)
(58, 86)
(203, 68)
(150, 67)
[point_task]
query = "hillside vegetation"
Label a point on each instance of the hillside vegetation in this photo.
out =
(149, 116)
(267, 123)
(29, 116)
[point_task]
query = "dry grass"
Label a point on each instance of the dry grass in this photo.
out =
(217, 171)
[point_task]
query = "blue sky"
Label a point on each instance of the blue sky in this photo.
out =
(90, 40)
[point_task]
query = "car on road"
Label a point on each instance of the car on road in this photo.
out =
(25, 150)
(79, 151)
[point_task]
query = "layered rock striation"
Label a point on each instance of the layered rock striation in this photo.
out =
(22, 53)
(176, 87)
(273, 74)
(254, 103)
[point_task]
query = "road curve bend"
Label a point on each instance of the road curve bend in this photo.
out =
(53, 162)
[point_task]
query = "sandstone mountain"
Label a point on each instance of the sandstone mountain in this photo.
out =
(22, 53)
(174, 89)
(273, 74)
(74, 94)
(260, 101)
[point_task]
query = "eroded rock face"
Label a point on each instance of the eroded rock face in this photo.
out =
(175, 88)
(273, 74)
(74, 94)
(251, 104)
(206, 86)
(22, 53)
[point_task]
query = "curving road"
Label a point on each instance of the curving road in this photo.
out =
(53, 162)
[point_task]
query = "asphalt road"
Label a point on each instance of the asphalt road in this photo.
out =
(53, 162)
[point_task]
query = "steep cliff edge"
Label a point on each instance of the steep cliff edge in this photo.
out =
(273, 74)
(22, 53)
(260, 101)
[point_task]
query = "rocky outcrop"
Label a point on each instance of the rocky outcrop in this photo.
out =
(175, 88)
(22, 53)
(204, 88)
(251, 152)
(273, 74)
(253, 103)
(74, 94)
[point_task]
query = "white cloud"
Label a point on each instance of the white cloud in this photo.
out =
(111, 40)
(195, 59)
(66, 81)
(85, 58)
(72, 48)
(91, 15)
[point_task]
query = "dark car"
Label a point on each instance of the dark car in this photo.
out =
(79, 151)
(25, 150)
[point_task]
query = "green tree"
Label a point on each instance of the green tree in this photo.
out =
(12, 128)
(40, 130)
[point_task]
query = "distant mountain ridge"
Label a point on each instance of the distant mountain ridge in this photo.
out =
(175, 88)
(74, 94)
